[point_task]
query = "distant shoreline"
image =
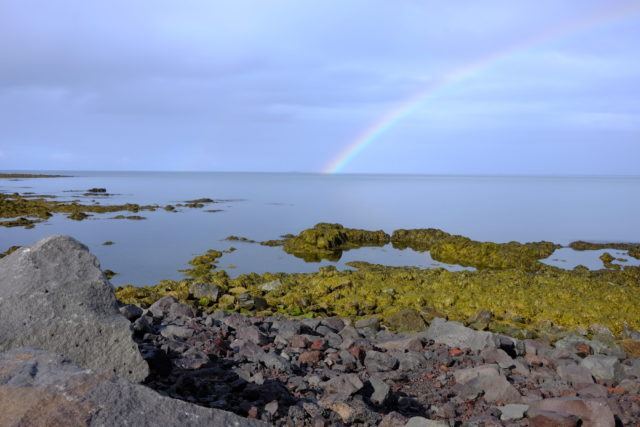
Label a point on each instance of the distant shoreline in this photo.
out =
(29, 175)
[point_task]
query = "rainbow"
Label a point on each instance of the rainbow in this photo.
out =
(405, 108)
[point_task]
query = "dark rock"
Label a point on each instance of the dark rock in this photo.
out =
(376, 361)
(131, 312)
(334, 323)
(204, 290)
(253, 334)
(161, 307)
(53, 296)
(345, 385)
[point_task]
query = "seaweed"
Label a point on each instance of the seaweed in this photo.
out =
(328, 241)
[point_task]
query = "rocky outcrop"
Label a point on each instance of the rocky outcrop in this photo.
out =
(42, 389)
(53, 296)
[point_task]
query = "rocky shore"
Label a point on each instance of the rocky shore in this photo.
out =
(74, 356)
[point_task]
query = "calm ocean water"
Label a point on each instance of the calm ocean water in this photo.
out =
(264, 206)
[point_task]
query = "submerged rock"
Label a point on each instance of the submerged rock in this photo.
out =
(53, 296)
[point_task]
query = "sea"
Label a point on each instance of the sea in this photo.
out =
(263, 206)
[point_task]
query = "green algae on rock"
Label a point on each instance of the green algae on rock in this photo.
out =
(327, 241)
(454, 249)
(521, 302)
(29, 175)
(9, 251)
(632, 248)
(30, 211)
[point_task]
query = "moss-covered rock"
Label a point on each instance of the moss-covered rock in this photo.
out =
(454, 249)
(327, 241)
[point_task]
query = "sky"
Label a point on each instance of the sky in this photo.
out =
(289, 85)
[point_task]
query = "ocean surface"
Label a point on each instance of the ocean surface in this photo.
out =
(262, 206)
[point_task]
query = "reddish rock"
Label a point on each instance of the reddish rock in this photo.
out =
(455, 352)
(318, 344)
(583, 349)
(591, 412)
(358, 352)
(299, 341)
(310, 357)
(552, 419)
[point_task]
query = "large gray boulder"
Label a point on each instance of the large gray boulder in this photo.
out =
(42, 389)
(53, 296)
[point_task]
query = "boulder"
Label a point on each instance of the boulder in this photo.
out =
(54, 296)
(42, 389)
(603, 367)
(454, 334)
(592, 412)
(488, 380)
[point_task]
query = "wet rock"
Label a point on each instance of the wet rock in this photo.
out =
(54, 296)
(376, 361)
(454, 334)
(38, 389)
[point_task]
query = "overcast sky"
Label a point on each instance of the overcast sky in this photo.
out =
(285, 85)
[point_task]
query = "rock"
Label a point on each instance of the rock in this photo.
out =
(407, 320)
(344, 385)
(376, 361)
(512, 411)
(575, 375)
(131, 312)
(53, 296)
(480, 320)
(181, 310)
(334, 323)
(174, 331)
(454, 334)
(591, 412)
(403, 344)
(42, 389)
(631, 347)
(310, 357)
(204, 290)
(161, 307)
(271, 286)
(381, 391)
(393, 419)
(552, 419)
(498, 356)
(603, 367)
(370, 323)
(487, 379)
(253, 334)
(425, 422)
(411, 361)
